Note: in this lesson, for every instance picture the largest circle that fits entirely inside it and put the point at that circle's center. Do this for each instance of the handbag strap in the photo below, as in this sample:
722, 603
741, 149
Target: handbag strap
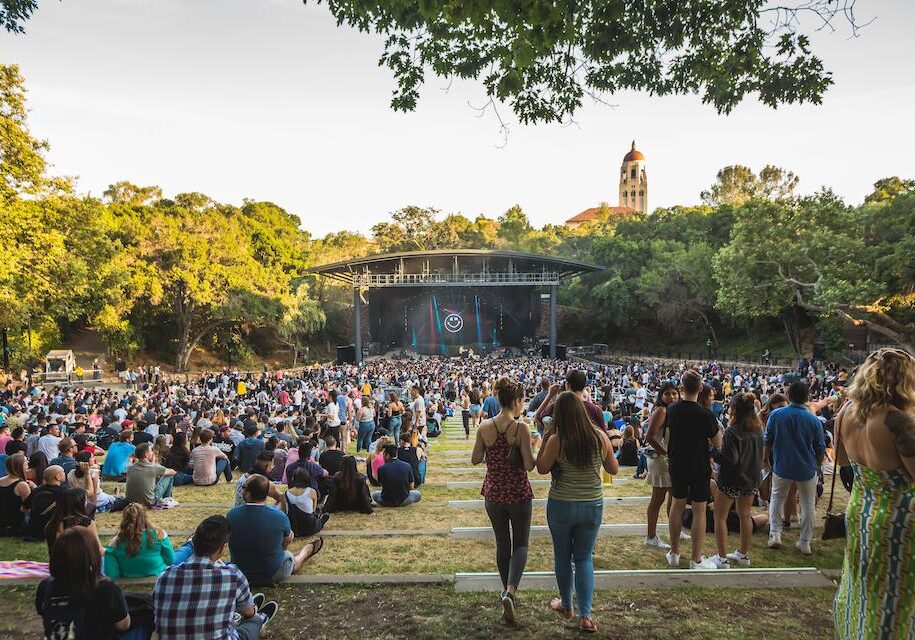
835, 466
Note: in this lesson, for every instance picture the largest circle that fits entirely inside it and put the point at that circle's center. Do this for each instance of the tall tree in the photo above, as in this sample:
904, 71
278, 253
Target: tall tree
543, 57
198, 270
127, 193
737, 184
22, 162
823, 257
302, 319
889, 188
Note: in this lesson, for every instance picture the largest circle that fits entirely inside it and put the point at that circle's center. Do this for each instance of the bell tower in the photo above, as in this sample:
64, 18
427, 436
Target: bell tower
634, 181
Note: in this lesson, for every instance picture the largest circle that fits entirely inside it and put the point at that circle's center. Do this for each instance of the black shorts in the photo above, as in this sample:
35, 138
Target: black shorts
691, 484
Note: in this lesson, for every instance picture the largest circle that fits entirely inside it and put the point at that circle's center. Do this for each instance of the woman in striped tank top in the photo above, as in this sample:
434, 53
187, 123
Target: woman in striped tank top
575, 450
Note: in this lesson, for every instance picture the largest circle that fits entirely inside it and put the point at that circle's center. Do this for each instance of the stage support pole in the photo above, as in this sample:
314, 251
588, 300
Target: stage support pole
357, 325
554, 292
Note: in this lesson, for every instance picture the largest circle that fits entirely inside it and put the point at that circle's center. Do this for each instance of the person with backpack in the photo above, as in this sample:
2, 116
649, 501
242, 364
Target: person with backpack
77, 601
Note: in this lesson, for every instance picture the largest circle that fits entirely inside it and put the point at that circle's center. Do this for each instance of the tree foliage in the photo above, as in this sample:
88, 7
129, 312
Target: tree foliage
737, 184
544, 57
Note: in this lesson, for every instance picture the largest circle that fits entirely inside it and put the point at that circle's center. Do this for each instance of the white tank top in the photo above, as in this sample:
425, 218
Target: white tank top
302, 502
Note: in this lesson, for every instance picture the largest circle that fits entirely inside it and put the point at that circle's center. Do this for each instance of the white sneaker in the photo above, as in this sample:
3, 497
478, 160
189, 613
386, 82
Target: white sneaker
673, 560
656, 543
775, 540
719, 562
804, 547
704, 563
685, 536
741, 559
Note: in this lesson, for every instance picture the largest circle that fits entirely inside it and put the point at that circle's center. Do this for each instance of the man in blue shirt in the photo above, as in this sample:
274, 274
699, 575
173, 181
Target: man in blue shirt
491, 406
117, 456
396, 478
260, 536
794, 438
248, 448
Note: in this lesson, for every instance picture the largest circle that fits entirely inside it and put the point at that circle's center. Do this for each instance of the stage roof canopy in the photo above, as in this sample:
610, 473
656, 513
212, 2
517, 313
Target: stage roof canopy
469, 266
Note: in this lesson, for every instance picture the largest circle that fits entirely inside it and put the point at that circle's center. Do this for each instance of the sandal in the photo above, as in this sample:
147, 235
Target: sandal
316, 545
556, 607
586, 625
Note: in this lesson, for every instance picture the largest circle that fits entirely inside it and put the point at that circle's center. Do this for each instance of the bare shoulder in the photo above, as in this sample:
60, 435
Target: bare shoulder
902, 425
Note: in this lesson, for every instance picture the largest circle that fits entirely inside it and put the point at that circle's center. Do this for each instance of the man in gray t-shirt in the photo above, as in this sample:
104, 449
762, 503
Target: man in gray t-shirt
149, 483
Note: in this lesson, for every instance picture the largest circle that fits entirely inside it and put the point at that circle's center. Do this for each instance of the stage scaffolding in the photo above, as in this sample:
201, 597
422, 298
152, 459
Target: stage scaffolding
457, 268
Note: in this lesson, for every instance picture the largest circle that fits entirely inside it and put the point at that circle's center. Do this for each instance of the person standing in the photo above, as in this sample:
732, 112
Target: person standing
579, 449
365, 418
740, 460
395, 416
876, 435
465, 412
690, 427
795, 438
657, 466
506, 488
418, 406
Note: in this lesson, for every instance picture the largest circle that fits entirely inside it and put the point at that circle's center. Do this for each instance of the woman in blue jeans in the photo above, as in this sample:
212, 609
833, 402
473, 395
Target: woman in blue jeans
395, 416
366, 419
578, 450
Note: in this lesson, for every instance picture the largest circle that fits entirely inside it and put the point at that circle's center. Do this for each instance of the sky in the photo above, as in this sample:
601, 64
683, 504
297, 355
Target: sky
270, 100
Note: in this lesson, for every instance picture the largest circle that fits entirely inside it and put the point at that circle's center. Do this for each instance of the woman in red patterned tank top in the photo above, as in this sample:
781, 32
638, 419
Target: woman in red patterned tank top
506, 487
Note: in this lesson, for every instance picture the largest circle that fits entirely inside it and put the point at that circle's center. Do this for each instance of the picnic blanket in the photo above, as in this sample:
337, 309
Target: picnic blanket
11, 569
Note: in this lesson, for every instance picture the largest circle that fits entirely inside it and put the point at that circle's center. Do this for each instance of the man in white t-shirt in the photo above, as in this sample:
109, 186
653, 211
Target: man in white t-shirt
418, 407
641, 394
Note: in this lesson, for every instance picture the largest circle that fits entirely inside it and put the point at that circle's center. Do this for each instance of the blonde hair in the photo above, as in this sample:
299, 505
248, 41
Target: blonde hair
133, 524
887, 377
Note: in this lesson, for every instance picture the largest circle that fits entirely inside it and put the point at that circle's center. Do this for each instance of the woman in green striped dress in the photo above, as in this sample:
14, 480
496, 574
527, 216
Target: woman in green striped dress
876, 435
575, 451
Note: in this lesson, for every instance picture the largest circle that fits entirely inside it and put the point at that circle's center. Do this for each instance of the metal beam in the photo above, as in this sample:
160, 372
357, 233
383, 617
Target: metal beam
357, 324
554, 291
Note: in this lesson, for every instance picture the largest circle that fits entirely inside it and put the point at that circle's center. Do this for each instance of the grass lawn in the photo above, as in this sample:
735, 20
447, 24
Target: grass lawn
430, 612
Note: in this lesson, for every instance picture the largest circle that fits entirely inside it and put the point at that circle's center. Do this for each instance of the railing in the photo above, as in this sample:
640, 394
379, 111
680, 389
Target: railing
489, 279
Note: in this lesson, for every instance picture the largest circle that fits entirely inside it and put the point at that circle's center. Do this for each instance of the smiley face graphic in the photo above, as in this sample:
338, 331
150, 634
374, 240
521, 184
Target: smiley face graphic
453, 323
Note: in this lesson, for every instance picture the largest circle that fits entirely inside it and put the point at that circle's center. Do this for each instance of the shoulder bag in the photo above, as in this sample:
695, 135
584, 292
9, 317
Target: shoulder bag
514, 456
834, 522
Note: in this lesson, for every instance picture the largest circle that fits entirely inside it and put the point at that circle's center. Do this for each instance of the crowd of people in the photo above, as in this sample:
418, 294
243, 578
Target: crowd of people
711, 442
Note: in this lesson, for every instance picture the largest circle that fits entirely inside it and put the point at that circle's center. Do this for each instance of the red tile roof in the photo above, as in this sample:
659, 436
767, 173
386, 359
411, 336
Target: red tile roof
589, 215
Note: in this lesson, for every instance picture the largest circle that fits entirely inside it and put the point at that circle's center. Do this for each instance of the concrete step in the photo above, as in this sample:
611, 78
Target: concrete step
541, 502
543, 531
662, 579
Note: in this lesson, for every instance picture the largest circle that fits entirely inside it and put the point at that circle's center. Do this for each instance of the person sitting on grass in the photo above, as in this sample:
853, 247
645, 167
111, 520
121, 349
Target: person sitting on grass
148, 483
263, 465
201, 597
14, 490
66, 455
77, 601
316, 472
117, 457
248, 448
349, 490
86, 476
261, 536
72, 510
305, 517
396, 479
138, 549
208, 462
42, 502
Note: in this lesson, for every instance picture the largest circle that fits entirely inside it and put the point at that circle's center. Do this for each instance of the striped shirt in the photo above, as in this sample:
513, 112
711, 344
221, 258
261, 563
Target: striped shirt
574, 484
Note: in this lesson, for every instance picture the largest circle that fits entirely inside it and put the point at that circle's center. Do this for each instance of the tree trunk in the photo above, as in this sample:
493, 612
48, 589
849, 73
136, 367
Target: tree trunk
181, 358
295, 356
